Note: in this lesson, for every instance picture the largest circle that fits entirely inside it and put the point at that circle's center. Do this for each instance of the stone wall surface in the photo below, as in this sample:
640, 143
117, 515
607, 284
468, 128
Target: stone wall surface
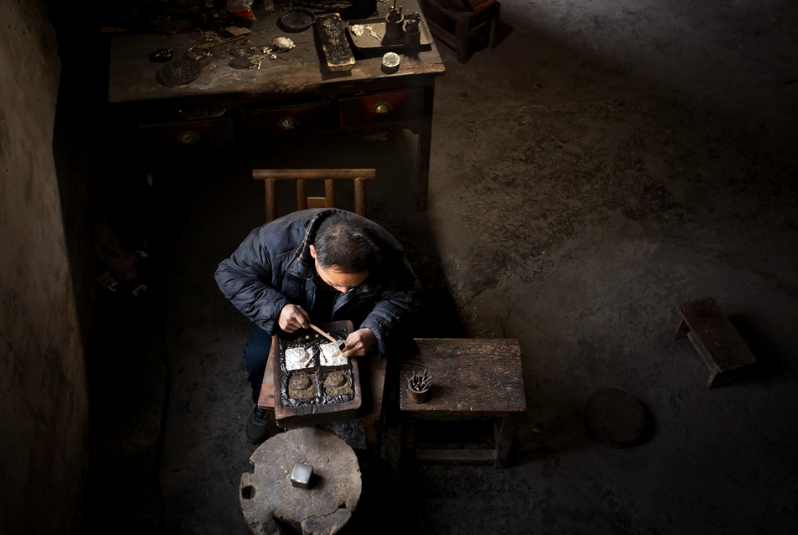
44, 417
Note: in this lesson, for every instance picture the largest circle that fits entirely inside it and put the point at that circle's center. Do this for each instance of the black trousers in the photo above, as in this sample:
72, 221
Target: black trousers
256, 354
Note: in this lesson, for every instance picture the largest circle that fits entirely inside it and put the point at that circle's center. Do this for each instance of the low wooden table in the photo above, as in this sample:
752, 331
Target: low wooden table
717, 341
370, 412
471, 378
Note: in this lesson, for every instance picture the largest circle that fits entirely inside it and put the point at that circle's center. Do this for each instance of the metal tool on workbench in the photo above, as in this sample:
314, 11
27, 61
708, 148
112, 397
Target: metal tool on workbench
340, 345
393, 23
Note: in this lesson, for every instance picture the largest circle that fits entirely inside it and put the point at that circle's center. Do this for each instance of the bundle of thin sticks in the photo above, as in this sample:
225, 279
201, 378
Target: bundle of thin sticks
419, 381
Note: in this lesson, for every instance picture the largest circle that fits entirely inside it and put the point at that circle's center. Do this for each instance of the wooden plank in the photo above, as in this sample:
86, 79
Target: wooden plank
710, 330
329, 192
271, 199
469, 376
456, 455
314, 174
266, 397
360, 197
317, 202
301, 194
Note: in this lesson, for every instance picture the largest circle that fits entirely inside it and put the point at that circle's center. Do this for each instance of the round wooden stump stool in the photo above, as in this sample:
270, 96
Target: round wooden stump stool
270, 502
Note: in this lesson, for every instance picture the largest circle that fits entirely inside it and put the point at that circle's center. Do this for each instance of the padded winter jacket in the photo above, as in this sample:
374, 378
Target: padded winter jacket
273, 267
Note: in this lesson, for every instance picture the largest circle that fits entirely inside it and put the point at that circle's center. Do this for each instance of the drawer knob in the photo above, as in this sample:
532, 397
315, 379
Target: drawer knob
287, 123
382, 107
189, 137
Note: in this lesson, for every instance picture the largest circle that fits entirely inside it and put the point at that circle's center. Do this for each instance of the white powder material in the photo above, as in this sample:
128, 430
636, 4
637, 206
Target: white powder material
297, 358
331, 356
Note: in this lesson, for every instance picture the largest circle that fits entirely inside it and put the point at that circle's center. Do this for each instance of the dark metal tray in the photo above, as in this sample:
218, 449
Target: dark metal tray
367, 41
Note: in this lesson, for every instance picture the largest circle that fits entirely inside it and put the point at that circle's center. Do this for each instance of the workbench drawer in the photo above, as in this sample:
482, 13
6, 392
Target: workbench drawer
381, 109
289, 120
209, 133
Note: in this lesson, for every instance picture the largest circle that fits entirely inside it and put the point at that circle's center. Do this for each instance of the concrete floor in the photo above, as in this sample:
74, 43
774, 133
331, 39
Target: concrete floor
606, 162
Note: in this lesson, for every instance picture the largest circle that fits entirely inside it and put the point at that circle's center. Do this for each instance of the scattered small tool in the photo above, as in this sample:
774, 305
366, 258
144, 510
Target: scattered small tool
393, 23
162, 55
339, 345
419, 381
418, 386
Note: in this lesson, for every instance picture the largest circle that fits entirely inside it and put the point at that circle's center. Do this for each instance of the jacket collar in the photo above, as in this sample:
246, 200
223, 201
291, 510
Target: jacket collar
301, 264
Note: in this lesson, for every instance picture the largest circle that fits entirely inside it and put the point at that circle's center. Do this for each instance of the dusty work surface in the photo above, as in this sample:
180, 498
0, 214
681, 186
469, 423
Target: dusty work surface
133, 76
641, 156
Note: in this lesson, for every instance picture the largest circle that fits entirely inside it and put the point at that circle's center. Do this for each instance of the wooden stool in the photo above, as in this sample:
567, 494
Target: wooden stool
301, 176
471, 378
267, 495
469, 18
717, 341
371, 413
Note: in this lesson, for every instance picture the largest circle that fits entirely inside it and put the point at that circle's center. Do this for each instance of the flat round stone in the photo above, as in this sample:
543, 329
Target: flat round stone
616, 418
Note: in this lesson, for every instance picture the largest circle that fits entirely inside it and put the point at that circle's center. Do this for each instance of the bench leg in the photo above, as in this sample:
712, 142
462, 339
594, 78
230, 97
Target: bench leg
504, 430
273, 429
682, 330
373, 429
461, 38
409, 423
494, 26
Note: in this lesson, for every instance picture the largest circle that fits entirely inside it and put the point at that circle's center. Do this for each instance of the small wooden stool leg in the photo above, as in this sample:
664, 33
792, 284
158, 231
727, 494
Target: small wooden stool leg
461, 38
504, 430
682, 330
494, 24
374, 437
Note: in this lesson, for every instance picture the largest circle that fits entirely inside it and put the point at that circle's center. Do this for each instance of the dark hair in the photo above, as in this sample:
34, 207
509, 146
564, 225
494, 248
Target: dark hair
342, 242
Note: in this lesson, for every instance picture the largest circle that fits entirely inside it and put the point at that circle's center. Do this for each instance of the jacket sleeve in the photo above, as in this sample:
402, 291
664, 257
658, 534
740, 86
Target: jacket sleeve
245, 278
398, 302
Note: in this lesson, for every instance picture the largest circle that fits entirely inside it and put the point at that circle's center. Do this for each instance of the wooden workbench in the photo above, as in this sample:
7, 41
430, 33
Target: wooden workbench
292, 95
472, 378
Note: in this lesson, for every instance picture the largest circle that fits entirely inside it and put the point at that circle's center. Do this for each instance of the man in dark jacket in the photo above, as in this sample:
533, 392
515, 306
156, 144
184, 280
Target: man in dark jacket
317, 266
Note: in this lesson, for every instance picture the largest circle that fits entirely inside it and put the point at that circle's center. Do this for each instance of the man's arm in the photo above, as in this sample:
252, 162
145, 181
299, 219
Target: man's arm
245, 278
399, 301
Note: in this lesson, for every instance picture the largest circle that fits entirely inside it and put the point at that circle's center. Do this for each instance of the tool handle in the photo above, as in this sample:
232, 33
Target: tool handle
324, 334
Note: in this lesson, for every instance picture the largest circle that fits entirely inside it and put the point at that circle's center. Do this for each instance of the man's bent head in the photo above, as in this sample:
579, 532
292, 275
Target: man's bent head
343, 251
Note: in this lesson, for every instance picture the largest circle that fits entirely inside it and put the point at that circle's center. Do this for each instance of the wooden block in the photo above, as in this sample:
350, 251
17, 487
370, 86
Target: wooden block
716, 340
334, 42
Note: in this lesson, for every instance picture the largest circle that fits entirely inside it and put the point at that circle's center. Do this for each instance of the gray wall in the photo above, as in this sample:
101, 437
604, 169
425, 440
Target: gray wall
44, 416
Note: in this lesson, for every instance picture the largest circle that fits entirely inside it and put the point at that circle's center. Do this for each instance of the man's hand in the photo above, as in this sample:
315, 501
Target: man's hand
358, 343
293, 317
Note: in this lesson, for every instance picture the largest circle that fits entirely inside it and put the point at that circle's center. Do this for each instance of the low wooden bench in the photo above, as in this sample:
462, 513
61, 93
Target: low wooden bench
471, 379
717, 341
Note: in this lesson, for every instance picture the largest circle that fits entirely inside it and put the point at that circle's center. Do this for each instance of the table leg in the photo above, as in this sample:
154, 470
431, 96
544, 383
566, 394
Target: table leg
504, 430
409, 423
373, 428
424, 149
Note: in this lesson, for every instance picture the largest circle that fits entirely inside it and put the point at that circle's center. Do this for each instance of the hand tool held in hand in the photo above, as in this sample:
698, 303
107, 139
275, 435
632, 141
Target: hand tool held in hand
340, 345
